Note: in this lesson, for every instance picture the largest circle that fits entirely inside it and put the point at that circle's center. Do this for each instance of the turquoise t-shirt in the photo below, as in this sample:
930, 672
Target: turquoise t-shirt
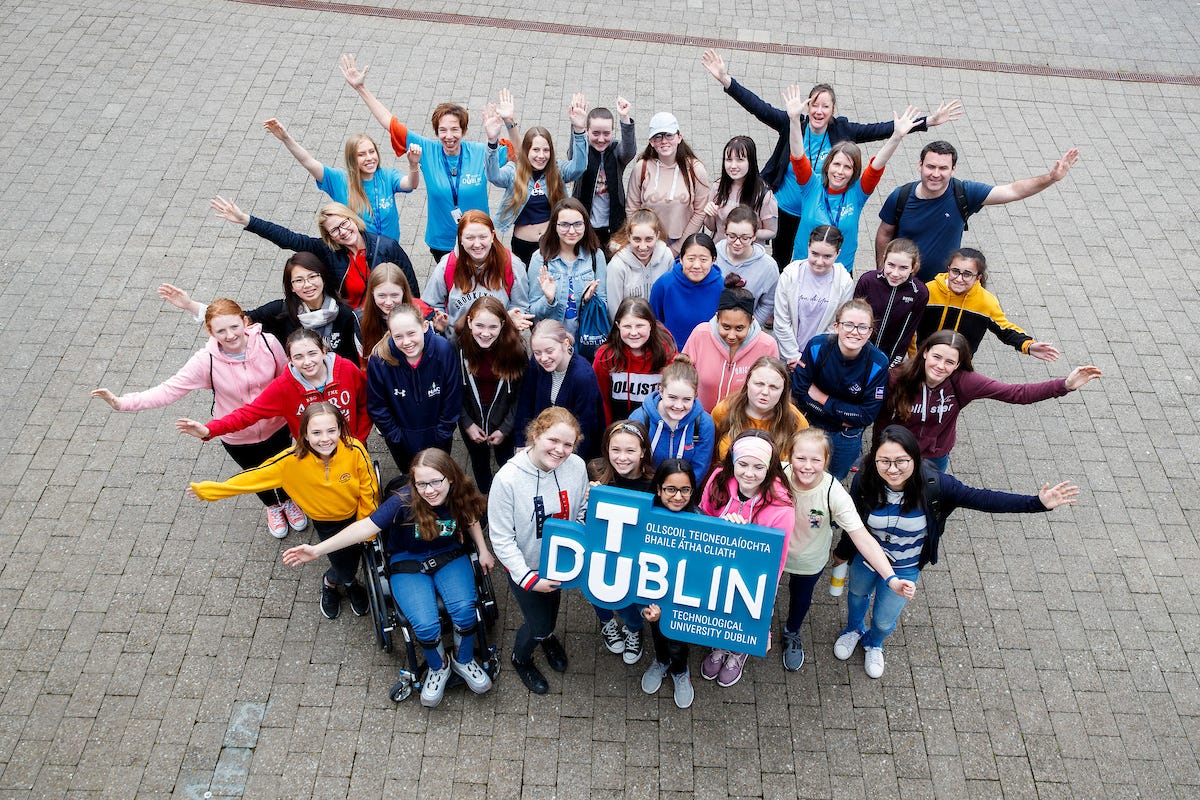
822, 208
383, 218
441, 229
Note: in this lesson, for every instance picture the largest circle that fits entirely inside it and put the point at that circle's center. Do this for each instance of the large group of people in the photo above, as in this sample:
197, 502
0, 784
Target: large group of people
646, 326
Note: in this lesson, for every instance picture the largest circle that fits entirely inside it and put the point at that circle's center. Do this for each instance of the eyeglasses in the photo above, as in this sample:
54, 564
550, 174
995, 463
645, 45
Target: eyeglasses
342, 228
424, 486
966, 275
308, 280
571, 226
672, 491
661, 137
899, 463
851, 328
744, 237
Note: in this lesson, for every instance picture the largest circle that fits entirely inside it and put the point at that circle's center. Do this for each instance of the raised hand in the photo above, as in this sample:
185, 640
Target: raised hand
588, 291
493, 124
796, 101
414, 155
175, 296
507, 107
357, 78
276, 129
228, 210
716, 67
1064, 164
521, 321
577, 112
948, 111
191, 428
624, 109
906, 120
1064, 494
546, 281
108, 397
1080, 376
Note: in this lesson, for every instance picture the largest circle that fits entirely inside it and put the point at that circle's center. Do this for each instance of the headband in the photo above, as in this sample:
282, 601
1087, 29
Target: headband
754, 447
739, 301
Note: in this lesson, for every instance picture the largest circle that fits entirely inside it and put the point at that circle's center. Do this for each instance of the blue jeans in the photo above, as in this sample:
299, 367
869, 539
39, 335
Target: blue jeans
417, 595
631, 616
941, 463
864, 582
846, 445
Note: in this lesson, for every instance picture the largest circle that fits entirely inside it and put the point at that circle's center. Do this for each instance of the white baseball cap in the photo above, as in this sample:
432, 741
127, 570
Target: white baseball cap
663, 122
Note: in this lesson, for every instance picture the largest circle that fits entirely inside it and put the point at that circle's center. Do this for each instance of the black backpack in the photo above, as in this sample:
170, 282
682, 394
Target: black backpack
960, 199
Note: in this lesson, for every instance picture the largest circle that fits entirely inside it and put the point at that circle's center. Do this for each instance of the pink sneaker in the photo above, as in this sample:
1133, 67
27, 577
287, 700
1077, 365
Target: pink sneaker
710, 667
296, 519
731, 670
277, 523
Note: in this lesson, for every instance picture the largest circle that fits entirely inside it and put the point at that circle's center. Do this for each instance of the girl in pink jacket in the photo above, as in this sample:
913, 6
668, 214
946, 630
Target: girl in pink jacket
724, 348
747, 487
236, 364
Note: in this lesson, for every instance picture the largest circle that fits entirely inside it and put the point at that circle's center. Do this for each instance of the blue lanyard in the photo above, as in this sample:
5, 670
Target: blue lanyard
453, 176
814, 154
835, 220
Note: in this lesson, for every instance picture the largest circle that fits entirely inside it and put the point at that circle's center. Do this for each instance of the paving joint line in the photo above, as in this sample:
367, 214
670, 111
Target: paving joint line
774, 48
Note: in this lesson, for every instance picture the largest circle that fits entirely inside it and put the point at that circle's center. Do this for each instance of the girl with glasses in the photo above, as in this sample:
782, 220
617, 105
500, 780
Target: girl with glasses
669, 180
428, 520
904, 503
568, 267
740, 252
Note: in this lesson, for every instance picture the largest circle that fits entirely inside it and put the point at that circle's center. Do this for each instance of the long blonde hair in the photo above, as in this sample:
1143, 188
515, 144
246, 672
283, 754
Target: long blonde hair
358, 201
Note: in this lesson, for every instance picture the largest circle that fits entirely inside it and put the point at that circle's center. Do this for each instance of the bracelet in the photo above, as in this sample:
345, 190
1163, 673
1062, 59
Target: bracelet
893, 577
510, 125
494, 145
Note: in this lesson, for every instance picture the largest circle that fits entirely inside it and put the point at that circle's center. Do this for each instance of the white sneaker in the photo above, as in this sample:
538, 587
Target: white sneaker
837, 579
297, 520
435, 684
845, 644
476, 679
613, 640
873, 661
653, 678
277, 524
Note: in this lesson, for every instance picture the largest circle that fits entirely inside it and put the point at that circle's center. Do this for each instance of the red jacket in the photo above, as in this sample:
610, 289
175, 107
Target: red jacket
287, 397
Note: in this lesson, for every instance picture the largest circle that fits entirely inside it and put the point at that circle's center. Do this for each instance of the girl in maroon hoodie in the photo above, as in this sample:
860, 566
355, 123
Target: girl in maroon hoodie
629, 365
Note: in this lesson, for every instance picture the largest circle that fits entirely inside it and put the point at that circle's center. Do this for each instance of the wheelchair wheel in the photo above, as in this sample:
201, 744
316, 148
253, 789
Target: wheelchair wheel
380, 618
401, 689
488, 610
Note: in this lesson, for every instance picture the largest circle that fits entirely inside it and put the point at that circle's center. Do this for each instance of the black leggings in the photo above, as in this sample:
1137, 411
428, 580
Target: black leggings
481, 459
540, 610
251, 455
800, 592
343, 564
785, 239
669, 651
524, 249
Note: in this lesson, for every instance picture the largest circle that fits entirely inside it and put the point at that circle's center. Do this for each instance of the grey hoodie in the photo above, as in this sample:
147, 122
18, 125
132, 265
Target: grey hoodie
760, 274
628, 277
512, 510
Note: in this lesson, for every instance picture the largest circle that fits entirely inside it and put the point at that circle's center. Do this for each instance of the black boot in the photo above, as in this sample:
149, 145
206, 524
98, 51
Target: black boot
556, 656
531, 676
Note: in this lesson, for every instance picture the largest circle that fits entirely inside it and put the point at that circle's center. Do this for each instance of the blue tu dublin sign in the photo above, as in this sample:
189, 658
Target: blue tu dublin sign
714, 581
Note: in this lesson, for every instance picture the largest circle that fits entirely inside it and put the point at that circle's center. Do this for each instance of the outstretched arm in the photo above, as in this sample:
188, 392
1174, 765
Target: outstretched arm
314, 167
507, 109
1028, 187
357, 78
716, 67
948, 111
181, 300
355, 533
905, 122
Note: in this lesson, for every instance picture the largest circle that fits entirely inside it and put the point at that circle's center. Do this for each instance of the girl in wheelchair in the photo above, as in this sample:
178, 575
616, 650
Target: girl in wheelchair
423, 526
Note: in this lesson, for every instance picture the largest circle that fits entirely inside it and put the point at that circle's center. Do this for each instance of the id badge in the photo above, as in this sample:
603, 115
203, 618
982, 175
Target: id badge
456, 214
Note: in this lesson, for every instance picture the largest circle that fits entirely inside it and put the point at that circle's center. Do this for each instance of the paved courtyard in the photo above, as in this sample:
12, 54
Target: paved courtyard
153, 646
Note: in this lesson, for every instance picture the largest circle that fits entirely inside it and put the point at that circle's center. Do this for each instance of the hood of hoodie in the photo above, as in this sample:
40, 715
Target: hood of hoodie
254, 340
661, 257
300, 379
650, 406
755, 330
757, 253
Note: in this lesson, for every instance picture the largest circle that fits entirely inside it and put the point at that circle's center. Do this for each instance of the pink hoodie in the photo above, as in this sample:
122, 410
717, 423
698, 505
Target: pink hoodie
780, 515
720, 377
234, 383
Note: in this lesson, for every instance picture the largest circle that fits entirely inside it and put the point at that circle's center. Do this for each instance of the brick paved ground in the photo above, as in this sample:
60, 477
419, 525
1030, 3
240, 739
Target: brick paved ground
153, 646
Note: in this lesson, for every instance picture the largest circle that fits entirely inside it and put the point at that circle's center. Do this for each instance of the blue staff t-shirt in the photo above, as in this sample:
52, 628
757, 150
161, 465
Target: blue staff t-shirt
934, 224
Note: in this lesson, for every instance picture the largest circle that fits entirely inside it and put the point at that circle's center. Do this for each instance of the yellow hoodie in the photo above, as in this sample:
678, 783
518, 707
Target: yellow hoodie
972, 314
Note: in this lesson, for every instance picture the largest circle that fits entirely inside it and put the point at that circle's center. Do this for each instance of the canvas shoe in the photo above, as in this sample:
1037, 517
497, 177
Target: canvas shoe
873, 661
653, 677
613, 639
845, 644
710, 667
633, 647
277, 524
731, 670
297, 520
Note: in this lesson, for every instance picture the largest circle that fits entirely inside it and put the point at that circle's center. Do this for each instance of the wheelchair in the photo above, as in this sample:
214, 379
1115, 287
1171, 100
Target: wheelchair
391, 625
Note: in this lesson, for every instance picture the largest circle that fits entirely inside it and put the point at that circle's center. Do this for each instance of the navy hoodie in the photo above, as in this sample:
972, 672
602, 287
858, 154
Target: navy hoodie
681, 305
692, 439
417, 407
856, 386
579, 394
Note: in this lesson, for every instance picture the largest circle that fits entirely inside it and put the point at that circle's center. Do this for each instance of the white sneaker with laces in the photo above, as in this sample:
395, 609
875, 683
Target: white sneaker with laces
873, 661
845, 644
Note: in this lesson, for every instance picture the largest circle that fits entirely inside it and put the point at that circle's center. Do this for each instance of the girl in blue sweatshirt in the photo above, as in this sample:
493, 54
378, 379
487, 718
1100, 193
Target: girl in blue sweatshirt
679, 426
414, 387
688, 294
558, 376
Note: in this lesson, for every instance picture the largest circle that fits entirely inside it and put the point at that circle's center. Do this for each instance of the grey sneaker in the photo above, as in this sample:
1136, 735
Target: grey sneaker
845, 644
633, 647
476, 679
613, 639
653, 678
684, 693
793, 651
